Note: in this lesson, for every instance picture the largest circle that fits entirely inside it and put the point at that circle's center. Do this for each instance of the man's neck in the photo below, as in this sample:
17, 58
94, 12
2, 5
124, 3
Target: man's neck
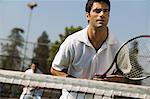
97, 36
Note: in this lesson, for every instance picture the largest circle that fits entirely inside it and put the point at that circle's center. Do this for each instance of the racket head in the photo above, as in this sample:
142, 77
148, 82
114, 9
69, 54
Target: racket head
138, 51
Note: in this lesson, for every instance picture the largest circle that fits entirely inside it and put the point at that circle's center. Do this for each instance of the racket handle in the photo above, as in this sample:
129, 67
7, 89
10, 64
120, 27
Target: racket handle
100, 75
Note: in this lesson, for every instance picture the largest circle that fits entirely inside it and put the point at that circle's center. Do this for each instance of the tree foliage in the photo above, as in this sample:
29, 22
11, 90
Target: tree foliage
11, 59
55, 46
41, 52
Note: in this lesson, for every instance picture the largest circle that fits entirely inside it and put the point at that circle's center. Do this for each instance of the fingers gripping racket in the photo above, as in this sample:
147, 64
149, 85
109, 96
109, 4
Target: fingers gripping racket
139, 57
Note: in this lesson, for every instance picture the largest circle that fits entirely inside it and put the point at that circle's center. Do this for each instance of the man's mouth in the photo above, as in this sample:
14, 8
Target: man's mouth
100, 20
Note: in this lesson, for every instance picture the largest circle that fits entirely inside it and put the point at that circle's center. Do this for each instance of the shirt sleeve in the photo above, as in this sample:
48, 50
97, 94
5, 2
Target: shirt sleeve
62, 58
29, 71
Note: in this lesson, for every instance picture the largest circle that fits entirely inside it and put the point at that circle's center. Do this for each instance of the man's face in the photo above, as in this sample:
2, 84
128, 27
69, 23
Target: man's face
33, 67
99, 15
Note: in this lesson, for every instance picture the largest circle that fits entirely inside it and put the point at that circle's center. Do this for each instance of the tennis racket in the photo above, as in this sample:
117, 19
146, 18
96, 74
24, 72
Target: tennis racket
139, 57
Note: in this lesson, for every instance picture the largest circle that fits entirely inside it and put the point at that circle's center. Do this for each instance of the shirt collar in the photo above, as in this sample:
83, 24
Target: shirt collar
84, 38
111, 40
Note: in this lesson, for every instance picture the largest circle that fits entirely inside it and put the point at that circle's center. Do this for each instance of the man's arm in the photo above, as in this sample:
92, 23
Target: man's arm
58, 73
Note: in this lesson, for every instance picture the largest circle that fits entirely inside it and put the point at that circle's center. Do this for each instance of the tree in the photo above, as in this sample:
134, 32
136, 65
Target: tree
55, 46
68, 31
12, 50
41, 52
11, 58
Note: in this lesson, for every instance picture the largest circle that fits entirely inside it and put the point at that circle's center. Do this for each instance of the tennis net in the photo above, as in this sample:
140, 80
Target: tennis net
12, 83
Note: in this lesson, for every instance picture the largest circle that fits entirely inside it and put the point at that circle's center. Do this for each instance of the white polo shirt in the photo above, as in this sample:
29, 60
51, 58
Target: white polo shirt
81, 59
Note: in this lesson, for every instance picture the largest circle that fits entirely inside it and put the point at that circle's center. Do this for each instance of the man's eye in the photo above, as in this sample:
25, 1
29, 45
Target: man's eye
100, 10
97, 10
105, 10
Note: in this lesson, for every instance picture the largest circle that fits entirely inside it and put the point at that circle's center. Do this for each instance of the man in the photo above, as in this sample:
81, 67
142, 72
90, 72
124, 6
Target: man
32, 92
91, 50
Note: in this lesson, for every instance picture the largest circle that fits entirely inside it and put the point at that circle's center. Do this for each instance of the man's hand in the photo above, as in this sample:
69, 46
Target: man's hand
111, 78
58, 73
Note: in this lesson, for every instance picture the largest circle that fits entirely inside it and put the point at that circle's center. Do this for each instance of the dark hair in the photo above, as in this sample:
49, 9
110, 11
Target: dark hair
90, 3
35, 62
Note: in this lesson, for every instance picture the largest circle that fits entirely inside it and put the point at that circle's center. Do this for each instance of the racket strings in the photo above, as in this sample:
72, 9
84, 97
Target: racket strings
135, 73
139, 54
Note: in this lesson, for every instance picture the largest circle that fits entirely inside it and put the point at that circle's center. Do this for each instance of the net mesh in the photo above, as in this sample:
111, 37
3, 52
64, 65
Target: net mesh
12, 84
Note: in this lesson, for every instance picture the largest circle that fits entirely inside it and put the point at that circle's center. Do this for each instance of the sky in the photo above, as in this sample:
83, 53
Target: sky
128, 18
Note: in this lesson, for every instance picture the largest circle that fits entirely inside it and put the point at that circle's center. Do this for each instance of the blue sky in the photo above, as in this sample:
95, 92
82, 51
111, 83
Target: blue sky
128, 17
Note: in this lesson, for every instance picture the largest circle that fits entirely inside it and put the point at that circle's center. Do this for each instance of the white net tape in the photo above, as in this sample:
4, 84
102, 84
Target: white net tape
88, 89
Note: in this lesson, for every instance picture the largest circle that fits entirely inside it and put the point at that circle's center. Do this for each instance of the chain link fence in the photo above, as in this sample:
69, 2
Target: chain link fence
24, 56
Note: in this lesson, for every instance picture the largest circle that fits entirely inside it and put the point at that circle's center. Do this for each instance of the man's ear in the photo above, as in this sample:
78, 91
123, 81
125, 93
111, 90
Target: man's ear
87, 16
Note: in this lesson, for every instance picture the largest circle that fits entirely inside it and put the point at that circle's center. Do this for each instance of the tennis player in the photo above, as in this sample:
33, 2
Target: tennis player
32, 92
91, 50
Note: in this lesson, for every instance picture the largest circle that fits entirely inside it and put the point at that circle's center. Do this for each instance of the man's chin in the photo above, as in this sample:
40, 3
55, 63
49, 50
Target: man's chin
100, 26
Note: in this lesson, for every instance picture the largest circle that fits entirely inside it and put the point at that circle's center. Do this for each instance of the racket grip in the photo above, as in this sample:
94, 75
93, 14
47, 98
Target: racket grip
100, 75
